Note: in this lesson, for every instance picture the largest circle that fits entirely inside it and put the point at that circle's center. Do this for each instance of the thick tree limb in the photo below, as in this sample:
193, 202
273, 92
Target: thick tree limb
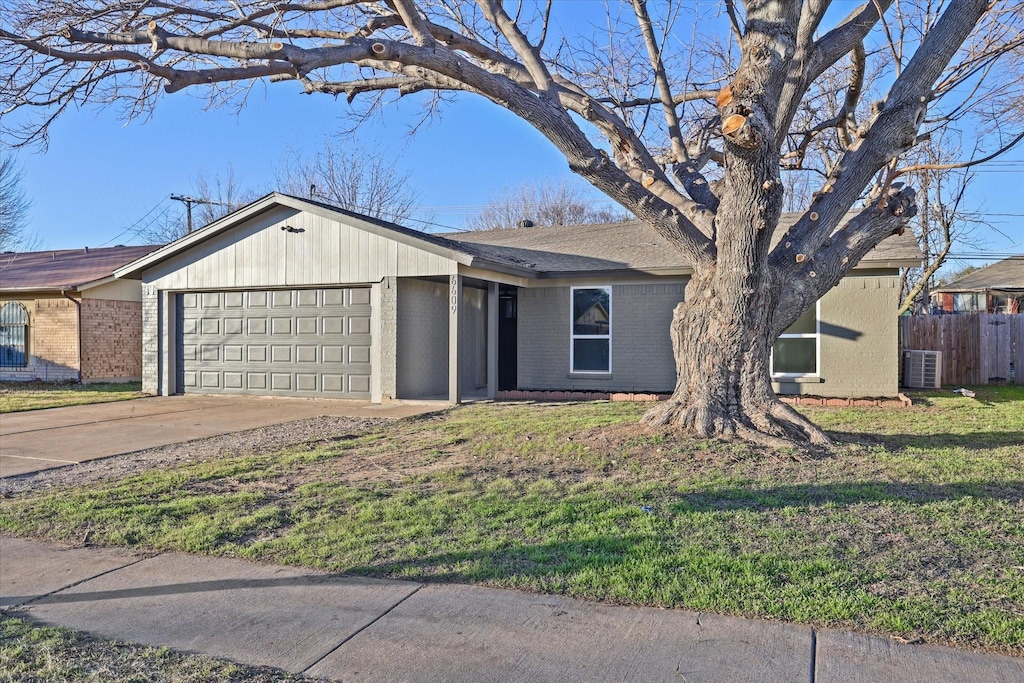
893, 131
811, 62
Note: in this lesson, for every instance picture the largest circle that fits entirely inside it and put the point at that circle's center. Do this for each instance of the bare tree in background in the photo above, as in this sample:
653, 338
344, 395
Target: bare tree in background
942, 220
542, 204
352, 178
218, 194
14, 207
683, 120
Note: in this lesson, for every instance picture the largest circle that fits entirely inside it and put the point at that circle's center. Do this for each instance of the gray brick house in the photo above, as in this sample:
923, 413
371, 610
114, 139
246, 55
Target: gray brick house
289, 296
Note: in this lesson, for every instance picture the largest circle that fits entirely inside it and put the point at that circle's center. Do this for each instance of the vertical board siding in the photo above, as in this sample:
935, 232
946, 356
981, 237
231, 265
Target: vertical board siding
259, 253
977, 348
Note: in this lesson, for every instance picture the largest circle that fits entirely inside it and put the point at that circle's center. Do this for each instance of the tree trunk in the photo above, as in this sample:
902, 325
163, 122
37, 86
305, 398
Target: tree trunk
723, 387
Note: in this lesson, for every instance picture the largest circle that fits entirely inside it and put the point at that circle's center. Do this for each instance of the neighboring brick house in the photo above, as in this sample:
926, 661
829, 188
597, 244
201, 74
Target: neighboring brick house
997, 288
293, 297
63, 316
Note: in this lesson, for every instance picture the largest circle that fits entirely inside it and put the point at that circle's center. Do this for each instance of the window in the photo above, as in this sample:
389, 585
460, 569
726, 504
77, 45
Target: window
13, 334
796, 350
970, 302
591, 346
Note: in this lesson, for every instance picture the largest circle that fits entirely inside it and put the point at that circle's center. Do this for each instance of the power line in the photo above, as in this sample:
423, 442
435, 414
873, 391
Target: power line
136, 223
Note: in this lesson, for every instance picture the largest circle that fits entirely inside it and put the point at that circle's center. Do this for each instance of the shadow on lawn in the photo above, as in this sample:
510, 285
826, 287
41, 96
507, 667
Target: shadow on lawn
974, 441
552, 563
845, 493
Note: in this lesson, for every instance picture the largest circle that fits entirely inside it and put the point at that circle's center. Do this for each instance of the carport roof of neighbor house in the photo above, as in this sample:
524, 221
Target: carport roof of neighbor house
535, 252
65, 269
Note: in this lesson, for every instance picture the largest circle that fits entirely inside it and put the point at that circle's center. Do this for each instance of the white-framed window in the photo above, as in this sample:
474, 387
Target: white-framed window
797, 351
590, 346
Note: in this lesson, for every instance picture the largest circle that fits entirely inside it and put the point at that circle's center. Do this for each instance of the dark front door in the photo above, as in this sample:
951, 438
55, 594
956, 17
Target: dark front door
508, 305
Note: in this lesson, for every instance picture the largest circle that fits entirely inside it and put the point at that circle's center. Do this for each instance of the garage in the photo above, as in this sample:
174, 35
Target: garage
286, 342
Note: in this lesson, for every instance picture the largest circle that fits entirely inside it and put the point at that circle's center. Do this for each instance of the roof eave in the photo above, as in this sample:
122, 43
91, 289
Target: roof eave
614, 272
888, 263
58, 289
504, 268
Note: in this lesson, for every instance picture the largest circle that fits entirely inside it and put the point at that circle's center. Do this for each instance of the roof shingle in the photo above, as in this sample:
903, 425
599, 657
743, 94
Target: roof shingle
627, 245
1007, 274
64, 269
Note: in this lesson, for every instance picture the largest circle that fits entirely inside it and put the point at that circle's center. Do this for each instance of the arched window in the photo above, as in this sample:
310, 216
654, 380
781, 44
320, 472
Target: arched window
13, 335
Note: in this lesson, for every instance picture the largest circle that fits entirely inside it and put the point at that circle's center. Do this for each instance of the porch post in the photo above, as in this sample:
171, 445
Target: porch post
454, 309
492, 340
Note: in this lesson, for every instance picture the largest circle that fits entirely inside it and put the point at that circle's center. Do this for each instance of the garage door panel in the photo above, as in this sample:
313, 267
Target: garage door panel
294, 342
359, 354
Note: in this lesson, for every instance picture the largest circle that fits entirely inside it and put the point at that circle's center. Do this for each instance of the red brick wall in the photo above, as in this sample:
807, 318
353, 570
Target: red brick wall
111, 339
53, 333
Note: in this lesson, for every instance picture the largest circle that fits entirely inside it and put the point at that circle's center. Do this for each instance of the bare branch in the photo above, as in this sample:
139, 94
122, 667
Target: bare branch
960, 164
660, 78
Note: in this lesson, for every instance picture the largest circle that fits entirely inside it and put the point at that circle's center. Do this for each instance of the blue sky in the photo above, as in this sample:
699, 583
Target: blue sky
101, 178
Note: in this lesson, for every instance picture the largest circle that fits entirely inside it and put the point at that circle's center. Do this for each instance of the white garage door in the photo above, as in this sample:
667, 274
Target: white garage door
301, 342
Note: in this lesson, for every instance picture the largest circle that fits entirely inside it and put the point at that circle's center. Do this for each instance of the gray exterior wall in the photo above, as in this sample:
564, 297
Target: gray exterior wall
859, 340
150, 340
858, 337
641, 349
321, 252
473, 339
422, 339
385, 349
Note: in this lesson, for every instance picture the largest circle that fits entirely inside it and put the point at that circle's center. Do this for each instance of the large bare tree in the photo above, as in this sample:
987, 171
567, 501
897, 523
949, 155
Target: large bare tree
690, 140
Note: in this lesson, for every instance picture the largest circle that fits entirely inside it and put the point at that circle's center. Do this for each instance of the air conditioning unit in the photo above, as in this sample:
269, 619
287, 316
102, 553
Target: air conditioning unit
922, 369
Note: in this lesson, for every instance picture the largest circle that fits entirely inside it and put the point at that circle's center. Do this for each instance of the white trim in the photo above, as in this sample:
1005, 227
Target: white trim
816, 336
573, 336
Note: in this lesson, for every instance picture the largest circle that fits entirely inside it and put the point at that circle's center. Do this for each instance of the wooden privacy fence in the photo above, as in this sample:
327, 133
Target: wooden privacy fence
977, 348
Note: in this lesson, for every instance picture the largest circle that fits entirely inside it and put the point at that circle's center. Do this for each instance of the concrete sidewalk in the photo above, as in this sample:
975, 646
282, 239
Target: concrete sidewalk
43, 439
351, 628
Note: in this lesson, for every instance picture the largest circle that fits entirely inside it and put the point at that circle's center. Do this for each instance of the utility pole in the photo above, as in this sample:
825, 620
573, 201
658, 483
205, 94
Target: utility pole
189, 201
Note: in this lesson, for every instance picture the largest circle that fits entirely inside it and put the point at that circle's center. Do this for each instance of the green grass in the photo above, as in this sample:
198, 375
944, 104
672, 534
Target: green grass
19, 396
42, 653
914, 527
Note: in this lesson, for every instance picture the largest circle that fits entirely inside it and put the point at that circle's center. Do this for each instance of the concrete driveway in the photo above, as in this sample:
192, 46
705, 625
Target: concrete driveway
42, 439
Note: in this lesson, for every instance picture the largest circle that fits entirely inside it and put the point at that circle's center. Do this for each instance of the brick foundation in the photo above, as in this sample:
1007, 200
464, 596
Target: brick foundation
902, 402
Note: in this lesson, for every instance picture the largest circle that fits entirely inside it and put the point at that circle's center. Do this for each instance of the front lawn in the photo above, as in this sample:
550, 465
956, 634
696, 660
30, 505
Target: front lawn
913, 528
43, 653
18, 396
